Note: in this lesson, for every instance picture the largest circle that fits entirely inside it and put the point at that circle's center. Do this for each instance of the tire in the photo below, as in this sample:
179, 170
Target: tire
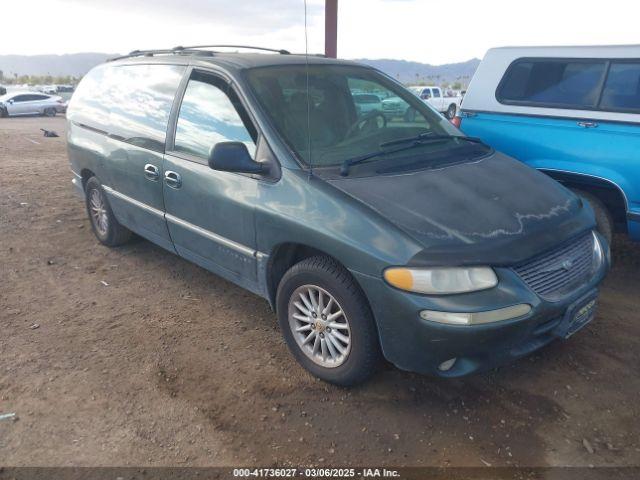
604, 220
103, 223
3, 113
451, 111
49, 112
362, 353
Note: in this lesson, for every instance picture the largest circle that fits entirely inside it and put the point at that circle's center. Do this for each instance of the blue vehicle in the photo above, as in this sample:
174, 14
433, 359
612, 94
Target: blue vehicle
570, 112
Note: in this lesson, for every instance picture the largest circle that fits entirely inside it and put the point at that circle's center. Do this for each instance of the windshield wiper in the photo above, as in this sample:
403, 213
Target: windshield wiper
416, 141
427, 137
344, 169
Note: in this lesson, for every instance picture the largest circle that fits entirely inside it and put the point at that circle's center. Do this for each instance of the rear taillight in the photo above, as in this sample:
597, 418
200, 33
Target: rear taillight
456, 121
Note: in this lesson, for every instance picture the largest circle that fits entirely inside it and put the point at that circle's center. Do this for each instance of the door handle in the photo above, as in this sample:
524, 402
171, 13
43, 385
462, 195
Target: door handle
151, 172
172, 179
587, 124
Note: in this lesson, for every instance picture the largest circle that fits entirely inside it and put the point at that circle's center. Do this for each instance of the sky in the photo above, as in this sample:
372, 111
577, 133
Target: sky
418, 30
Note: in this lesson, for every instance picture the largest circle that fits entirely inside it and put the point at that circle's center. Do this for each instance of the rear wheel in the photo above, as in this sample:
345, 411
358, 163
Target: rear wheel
104, 224
50, 112
604, 220
326, 322
451, 111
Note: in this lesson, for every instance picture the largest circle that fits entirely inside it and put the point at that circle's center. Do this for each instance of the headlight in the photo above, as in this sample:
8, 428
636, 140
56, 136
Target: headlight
441, 280
599, 254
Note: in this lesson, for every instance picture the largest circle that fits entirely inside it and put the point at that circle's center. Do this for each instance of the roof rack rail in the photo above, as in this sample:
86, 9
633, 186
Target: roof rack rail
166, 51
196, 47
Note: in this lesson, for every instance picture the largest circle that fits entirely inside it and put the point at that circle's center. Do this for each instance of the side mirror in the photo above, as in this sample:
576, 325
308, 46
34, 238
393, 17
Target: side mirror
425, 96
234, 157
10, 101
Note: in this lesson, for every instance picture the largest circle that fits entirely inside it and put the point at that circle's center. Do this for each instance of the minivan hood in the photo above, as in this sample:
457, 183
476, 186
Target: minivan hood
494, 211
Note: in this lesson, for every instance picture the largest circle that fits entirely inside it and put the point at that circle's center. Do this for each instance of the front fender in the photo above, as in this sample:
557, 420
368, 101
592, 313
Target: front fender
308, 211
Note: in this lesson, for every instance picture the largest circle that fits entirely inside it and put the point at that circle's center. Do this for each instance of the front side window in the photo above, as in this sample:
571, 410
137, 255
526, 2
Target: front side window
552, 82
211, 113
622, 89
319, 112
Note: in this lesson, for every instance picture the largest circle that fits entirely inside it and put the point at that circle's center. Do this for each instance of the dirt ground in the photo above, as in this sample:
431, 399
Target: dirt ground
171, 365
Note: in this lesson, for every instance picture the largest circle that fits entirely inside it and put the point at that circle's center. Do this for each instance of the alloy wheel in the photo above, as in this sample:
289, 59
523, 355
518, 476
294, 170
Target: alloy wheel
319, 325
97, 208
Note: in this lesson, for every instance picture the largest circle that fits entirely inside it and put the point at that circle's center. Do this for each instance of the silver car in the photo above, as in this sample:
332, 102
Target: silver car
30, 103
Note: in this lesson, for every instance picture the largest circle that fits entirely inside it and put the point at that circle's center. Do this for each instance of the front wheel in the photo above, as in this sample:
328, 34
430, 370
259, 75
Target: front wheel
49, 112
326, 322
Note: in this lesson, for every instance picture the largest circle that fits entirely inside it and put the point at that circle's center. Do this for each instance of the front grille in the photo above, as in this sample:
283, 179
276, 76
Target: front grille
560, 271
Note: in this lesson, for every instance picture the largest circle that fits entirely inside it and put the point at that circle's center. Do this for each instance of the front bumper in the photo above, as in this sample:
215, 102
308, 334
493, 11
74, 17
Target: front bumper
418, 345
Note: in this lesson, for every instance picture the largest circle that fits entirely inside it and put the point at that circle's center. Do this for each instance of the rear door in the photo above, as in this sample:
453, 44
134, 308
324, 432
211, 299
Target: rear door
210, 214
33, 103
39, 103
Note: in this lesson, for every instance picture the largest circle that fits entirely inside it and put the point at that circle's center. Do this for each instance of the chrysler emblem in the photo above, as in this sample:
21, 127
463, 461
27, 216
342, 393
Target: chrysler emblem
567, 264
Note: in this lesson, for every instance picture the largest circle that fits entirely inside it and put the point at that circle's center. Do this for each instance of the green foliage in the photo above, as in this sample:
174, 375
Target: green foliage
39, 80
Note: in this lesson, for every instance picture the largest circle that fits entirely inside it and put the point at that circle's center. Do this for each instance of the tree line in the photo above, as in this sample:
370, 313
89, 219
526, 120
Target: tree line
16, 79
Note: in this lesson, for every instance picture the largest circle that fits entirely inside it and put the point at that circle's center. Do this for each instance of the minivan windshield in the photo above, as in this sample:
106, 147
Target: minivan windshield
352, 113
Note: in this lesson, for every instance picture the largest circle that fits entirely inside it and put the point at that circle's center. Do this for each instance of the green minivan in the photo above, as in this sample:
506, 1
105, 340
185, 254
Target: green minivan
372, 236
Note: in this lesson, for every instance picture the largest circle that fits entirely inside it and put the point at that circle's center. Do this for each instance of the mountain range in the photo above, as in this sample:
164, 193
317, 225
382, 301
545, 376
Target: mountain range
78, 64
416, 72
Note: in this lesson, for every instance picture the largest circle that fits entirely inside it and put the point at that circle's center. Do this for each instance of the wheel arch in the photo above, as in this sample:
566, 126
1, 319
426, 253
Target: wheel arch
607, 191
284, 256
86, 174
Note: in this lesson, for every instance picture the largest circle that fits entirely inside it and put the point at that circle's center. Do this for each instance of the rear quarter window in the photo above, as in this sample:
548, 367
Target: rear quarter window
132, 102
622, 88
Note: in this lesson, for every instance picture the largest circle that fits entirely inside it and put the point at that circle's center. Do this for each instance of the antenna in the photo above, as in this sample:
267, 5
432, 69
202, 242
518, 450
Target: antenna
306, 61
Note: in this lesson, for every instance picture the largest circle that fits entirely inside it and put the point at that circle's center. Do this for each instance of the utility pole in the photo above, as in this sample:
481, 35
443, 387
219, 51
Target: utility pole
331, 28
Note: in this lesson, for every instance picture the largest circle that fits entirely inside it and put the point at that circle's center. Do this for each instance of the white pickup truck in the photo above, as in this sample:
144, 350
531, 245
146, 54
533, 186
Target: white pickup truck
435, 97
